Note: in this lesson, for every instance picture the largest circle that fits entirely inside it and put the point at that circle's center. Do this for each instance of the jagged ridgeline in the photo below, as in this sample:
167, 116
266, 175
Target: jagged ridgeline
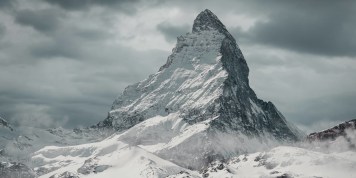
205, 78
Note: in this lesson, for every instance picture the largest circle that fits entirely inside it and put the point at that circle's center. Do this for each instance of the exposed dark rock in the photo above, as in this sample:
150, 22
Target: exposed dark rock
5, 124
91, 166
333, 133
15, 170
65, 175
285, 175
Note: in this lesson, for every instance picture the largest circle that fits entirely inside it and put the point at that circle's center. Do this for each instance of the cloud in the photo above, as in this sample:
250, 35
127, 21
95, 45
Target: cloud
323, 28
44, 20
35, 116
125, 6
6, 4
171, 32
2, 30
306, 88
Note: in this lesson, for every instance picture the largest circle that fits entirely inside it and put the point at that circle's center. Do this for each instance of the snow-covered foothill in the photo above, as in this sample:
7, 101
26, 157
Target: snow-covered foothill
107, 158
286, 161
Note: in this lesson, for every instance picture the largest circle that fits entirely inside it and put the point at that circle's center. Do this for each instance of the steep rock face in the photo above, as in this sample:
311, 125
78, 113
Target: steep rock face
205, 78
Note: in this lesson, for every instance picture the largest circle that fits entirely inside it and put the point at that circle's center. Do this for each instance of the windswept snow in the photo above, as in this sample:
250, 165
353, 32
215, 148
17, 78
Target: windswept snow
289, 162
112, 157
108, 158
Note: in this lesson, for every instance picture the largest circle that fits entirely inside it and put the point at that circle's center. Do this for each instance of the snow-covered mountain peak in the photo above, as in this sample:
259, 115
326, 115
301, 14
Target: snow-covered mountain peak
207, 21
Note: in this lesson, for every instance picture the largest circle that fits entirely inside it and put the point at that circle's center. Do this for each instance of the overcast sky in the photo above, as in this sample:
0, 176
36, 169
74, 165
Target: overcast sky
63, 62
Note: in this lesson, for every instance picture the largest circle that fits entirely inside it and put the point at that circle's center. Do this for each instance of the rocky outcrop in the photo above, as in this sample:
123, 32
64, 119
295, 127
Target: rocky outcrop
5, 124
15, 170
334, 132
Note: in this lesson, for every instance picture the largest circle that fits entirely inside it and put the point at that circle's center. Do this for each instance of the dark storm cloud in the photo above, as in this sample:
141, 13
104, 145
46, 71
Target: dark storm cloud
7, 4
328, 111
318, 27
57, 48
2, 30
126, 6
171, 32
45, 20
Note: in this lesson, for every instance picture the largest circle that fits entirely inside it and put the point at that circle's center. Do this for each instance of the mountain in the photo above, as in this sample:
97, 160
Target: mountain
202, 89
341, 137
340, 130
196, 117
18, 142
204, 79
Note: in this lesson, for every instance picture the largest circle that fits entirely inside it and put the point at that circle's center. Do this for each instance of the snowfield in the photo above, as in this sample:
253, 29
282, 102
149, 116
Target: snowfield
290, 161
114, 158
108, 158
152, 148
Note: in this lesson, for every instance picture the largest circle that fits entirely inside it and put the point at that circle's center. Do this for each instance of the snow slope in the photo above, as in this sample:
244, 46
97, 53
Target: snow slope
288, 162
18, 142
113, 157
108, 158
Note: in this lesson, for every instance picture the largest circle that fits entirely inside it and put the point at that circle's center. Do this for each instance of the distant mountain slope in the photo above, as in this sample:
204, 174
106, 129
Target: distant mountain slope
17, 143
108, 158
334, 132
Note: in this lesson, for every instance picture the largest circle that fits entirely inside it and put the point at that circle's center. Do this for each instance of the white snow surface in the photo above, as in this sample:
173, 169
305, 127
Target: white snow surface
17, 143
108, 158
114, 157
289, 161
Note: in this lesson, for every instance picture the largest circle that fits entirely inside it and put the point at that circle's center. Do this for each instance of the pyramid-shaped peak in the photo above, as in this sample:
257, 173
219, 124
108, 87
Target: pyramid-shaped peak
207, 20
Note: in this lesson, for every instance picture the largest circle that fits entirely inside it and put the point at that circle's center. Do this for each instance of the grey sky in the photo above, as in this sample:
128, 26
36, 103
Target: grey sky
63, 62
